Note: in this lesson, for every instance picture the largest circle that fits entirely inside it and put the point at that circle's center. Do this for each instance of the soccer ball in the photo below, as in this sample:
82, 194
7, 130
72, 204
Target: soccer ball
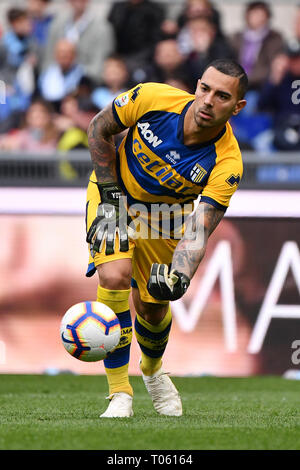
90, 331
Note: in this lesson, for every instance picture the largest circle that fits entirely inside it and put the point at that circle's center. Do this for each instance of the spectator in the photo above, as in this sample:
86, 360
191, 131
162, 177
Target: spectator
63, 76
16, 41
179, 81
257, 44
12, 120
137, 27
205, 46
193, 8
168, 61
15, 45
169, 29
40, 20
115, 80
39, 133
83, 95
91, 33
256, 47
297, 25
281, 97
72, 121
295, 41
17, 62
73, 115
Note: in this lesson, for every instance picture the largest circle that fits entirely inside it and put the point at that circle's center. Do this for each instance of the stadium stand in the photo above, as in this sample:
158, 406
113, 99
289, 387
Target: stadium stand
264, 36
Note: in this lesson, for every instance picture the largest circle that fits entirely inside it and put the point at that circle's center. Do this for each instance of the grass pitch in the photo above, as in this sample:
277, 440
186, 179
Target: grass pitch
62, 412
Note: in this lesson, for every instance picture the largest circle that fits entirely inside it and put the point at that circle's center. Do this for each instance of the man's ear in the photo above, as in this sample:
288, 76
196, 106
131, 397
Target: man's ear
239, 106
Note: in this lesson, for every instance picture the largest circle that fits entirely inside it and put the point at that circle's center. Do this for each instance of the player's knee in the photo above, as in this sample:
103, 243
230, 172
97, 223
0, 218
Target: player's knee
154, 316
115, 281
152, 313
115, 275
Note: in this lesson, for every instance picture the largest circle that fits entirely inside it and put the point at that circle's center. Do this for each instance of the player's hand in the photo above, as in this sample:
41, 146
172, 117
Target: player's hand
165, 285
111, 218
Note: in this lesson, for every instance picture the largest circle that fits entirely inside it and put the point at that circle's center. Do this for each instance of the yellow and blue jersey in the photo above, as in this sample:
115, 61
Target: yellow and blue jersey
155, 166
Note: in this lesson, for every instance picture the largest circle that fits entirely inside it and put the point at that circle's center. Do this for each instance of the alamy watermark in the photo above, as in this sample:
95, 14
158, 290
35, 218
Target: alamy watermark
153, 221
295, 358
296, 93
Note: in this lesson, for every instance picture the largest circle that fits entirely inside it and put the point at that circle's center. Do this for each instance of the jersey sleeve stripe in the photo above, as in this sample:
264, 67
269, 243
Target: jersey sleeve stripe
116, 116
214, 203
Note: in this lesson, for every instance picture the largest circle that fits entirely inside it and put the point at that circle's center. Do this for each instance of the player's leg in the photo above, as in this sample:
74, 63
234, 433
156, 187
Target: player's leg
153, 324
152, 328
113, 290
114, 272
152, 315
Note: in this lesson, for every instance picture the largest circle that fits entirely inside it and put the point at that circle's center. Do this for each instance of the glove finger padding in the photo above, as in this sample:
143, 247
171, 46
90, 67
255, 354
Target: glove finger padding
153, 285
92, 230
110, 238
111, 219
158, 284
173, 278
100, 236
123, 237
165, 286
163, 282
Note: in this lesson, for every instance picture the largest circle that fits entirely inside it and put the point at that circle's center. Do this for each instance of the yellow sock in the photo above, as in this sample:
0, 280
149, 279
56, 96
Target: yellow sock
116, 364
152, 340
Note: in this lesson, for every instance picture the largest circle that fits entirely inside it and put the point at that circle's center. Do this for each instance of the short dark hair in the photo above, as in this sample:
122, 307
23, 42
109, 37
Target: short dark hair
233, 69
14, 14
263, 5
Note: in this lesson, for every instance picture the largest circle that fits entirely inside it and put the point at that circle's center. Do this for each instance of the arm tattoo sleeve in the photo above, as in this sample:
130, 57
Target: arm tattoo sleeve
101, 145
191, 248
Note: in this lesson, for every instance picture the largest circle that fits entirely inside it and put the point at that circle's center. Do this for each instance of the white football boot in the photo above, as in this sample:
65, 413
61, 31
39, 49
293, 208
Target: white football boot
165, 397
120, 406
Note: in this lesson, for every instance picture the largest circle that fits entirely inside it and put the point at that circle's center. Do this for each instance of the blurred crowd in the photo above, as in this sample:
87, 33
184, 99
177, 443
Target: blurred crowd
60, 69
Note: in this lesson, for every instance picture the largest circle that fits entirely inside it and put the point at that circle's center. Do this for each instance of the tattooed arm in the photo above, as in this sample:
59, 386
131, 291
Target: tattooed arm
165, 285
191, 248
101, 144
111, 218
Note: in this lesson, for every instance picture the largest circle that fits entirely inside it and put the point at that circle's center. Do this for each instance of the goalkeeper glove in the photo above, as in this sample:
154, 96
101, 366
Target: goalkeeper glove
163, 285
111, 218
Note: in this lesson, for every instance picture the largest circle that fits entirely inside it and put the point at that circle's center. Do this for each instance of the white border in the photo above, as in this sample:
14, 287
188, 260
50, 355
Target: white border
58, 201
72, 201
254, 203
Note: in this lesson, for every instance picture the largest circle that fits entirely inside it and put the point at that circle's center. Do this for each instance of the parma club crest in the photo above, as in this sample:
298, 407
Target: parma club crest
197, 173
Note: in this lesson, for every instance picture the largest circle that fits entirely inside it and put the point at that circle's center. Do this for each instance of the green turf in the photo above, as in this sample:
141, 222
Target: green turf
61, 412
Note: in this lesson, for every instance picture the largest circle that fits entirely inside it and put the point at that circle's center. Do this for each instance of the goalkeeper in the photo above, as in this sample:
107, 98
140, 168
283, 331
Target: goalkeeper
178, 146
